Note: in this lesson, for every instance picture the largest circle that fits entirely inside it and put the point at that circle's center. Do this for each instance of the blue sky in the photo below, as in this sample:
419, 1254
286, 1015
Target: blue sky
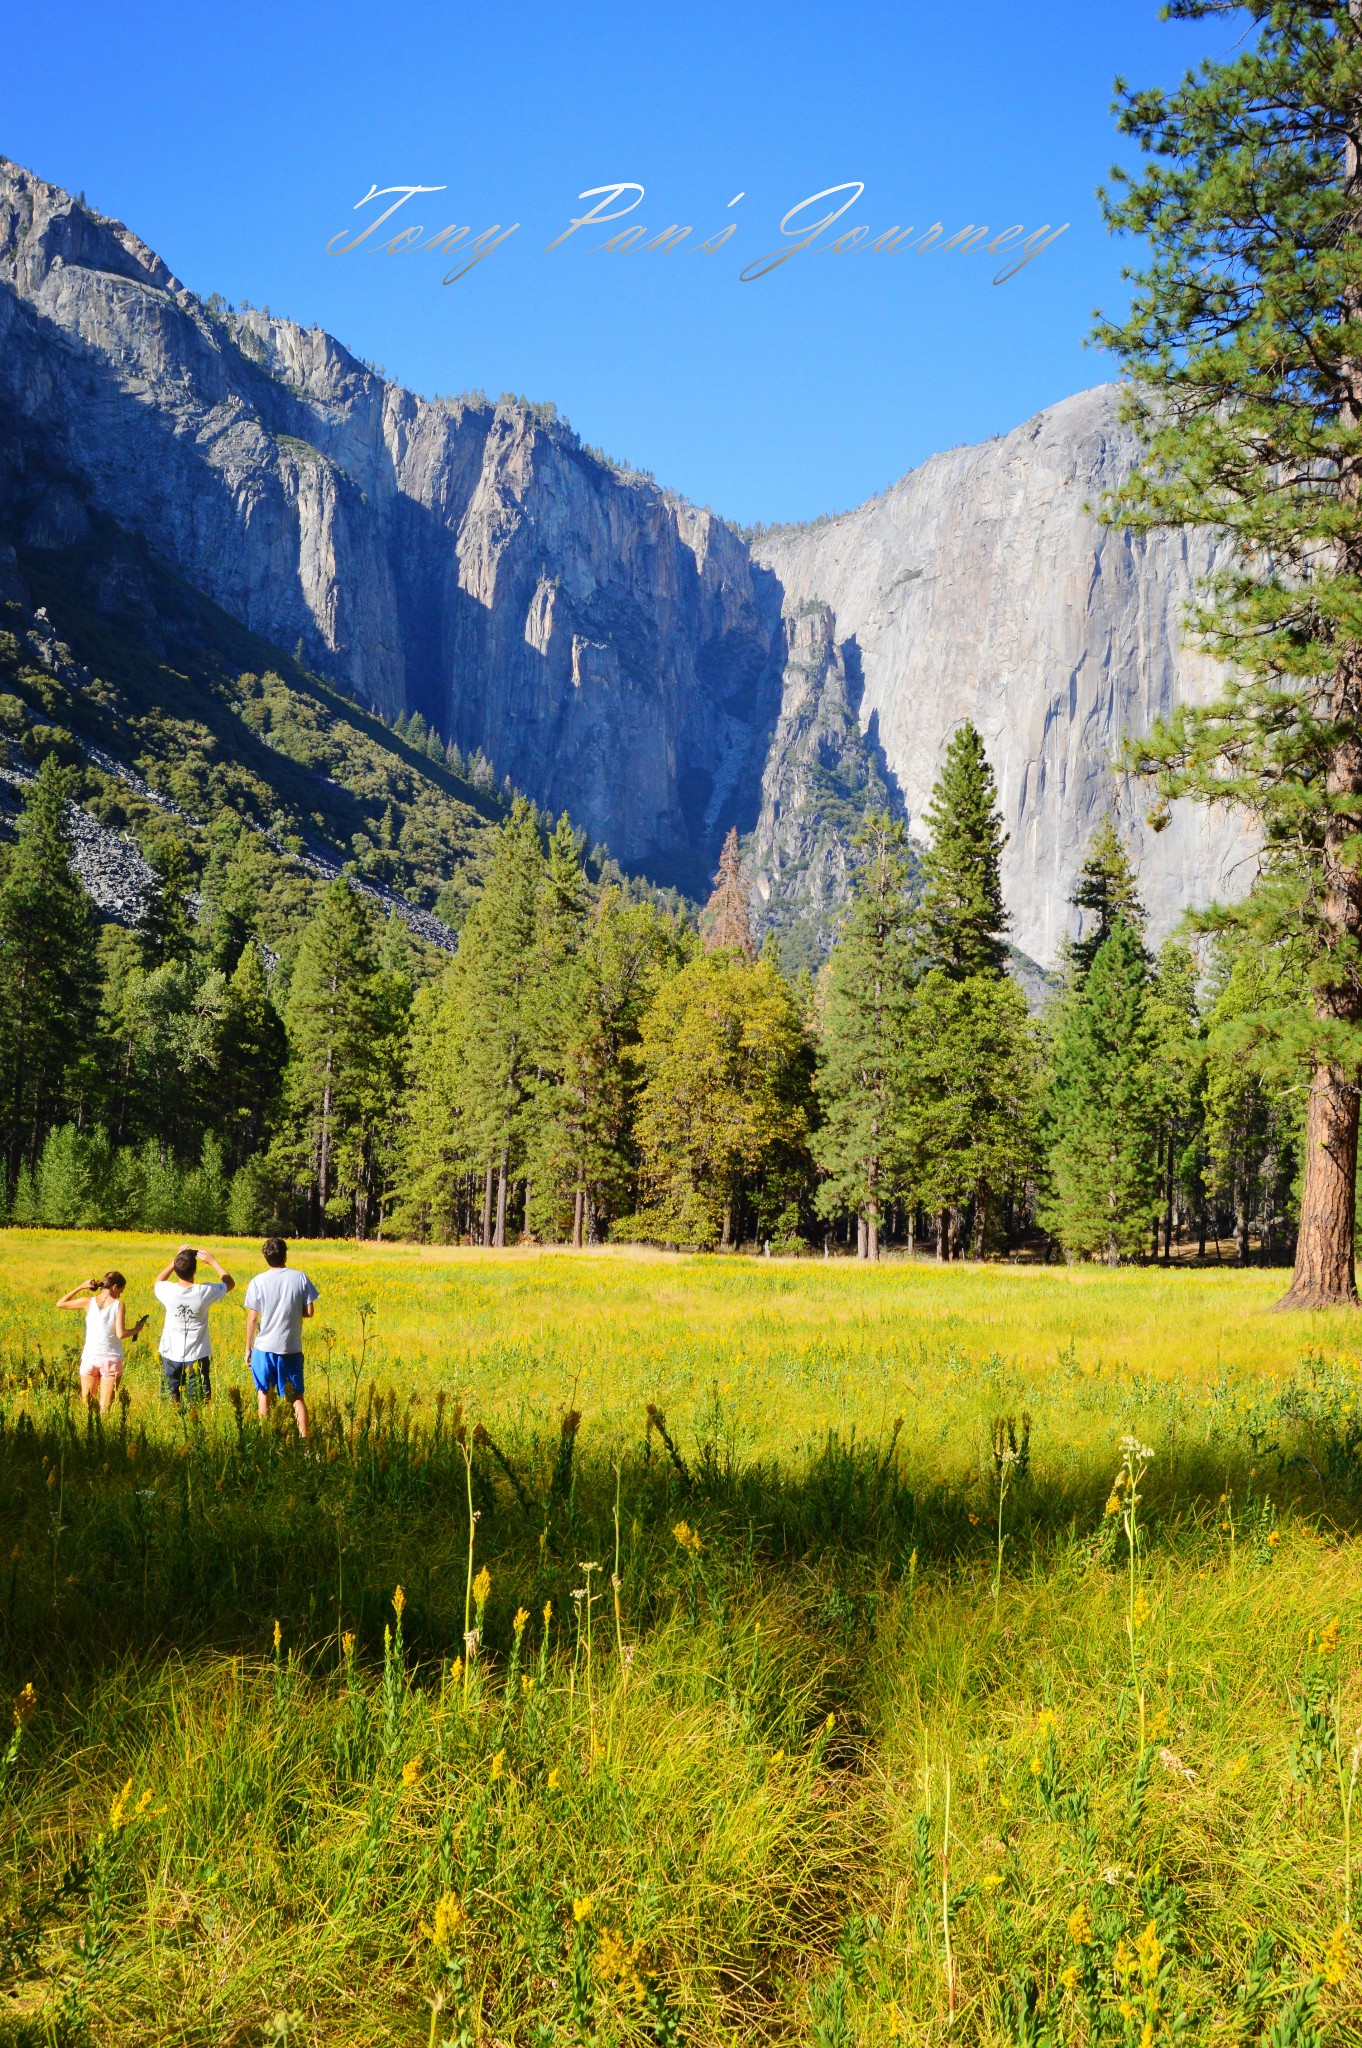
237, 138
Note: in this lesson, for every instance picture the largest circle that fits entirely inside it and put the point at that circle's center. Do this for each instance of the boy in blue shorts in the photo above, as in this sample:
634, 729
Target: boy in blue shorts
277, 1302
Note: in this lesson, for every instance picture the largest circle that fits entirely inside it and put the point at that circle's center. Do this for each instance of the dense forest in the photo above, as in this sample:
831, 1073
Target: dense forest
595, 1063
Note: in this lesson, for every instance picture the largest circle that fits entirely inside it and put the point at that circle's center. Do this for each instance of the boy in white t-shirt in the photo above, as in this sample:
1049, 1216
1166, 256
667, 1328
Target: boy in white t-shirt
278, 1301
185, 1342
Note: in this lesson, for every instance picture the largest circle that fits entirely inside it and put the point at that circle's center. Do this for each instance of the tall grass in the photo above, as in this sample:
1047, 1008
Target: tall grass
732, 1725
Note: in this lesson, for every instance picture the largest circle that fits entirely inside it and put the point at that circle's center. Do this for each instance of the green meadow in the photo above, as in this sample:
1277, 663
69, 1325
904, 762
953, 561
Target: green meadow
686, 1650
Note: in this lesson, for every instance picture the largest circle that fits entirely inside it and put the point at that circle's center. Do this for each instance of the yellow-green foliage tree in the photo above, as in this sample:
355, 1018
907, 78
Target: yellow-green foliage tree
724, 1111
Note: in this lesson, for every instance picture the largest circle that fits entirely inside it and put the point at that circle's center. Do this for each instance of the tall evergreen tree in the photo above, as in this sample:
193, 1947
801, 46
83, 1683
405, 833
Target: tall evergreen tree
969, 1114
1103, 1156
962, 895
48, 964
867, 983
167, 924
252, 1056
726, 920
1244, 343
1105, 890
338, 1082
497, 988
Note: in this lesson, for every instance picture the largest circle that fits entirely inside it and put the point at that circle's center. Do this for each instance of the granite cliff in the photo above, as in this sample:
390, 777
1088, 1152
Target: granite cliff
613, 650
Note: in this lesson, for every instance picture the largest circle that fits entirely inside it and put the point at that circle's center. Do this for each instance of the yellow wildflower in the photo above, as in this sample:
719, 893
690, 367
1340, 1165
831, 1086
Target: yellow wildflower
278, 1638
895, 2022
1149, 1952
993, 1880
613, 1960
526, 1682
118, 1812
974, 1521
829, 1724
688, 1538
1113, 1506
1159, 1722
1069, 1978
522, 1615
548, 1612
1124, 1959
1336, 1956
1080, 1927
482, 1586
581, 1908
399, 1601
411, 1771
24, 1706
1328, 1638
348, 1643
143, 1803
1274, 1539
555, 1778
498, 1764
1239, 1766
1045, 1720
456, 1671
449, 1917
1036, 1767
778, 1756
1141, 1608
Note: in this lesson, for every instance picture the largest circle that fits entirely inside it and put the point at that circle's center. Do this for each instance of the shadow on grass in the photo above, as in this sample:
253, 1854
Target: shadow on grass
114, 1542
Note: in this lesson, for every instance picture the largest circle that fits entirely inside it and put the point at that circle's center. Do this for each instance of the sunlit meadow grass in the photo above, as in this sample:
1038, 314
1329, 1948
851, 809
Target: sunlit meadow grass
829, 1704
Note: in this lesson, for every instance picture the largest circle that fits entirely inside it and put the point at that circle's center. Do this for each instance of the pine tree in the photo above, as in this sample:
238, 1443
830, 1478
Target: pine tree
726, 920
1106, 889
48, 967
867, 983
969, 1113
962, 898
229, 909
1102, 1155
724, 1112
1244, 343
251, 1057
496, 988
167, 924
338, 1079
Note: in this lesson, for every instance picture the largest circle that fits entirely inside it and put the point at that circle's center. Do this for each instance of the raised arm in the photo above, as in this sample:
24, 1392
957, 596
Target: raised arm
221, 1271
79, 1297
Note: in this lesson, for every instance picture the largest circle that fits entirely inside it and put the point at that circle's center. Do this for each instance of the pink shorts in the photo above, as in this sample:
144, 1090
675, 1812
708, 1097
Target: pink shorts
107, 1368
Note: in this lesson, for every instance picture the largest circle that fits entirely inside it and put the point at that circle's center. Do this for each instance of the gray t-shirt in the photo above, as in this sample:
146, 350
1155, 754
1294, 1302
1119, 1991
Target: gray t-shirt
279, 1295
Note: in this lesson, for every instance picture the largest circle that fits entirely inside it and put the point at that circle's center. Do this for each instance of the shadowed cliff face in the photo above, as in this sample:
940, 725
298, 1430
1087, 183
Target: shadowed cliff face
616, 652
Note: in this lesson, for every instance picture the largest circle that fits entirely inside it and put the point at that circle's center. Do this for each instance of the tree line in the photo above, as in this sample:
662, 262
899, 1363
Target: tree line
592, 1064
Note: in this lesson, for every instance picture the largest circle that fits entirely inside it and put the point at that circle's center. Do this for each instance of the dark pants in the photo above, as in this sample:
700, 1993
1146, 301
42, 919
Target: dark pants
190, 1378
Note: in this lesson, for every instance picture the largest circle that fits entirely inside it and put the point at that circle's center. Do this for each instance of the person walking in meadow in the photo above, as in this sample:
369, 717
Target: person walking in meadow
106, 1333
277, 1303
185, 1343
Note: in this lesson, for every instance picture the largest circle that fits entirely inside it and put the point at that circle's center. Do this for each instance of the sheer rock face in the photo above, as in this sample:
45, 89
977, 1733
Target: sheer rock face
982, 586
615, 652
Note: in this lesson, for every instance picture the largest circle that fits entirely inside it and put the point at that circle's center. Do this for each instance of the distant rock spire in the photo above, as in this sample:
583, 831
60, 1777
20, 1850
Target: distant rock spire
726, 921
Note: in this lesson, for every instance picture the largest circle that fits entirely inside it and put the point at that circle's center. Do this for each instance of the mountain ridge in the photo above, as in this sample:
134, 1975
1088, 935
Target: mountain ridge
616, 651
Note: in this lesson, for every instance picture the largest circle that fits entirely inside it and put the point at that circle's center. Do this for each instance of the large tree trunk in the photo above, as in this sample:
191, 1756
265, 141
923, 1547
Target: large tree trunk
577, 1206
1325, 1276
499, 1236
943, 1236
487, 1205
1167, 1209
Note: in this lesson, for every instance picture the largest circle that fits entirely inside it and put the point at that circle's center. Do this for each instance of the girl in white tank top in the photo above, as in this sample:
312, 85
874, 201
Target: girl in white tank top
106, 1329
